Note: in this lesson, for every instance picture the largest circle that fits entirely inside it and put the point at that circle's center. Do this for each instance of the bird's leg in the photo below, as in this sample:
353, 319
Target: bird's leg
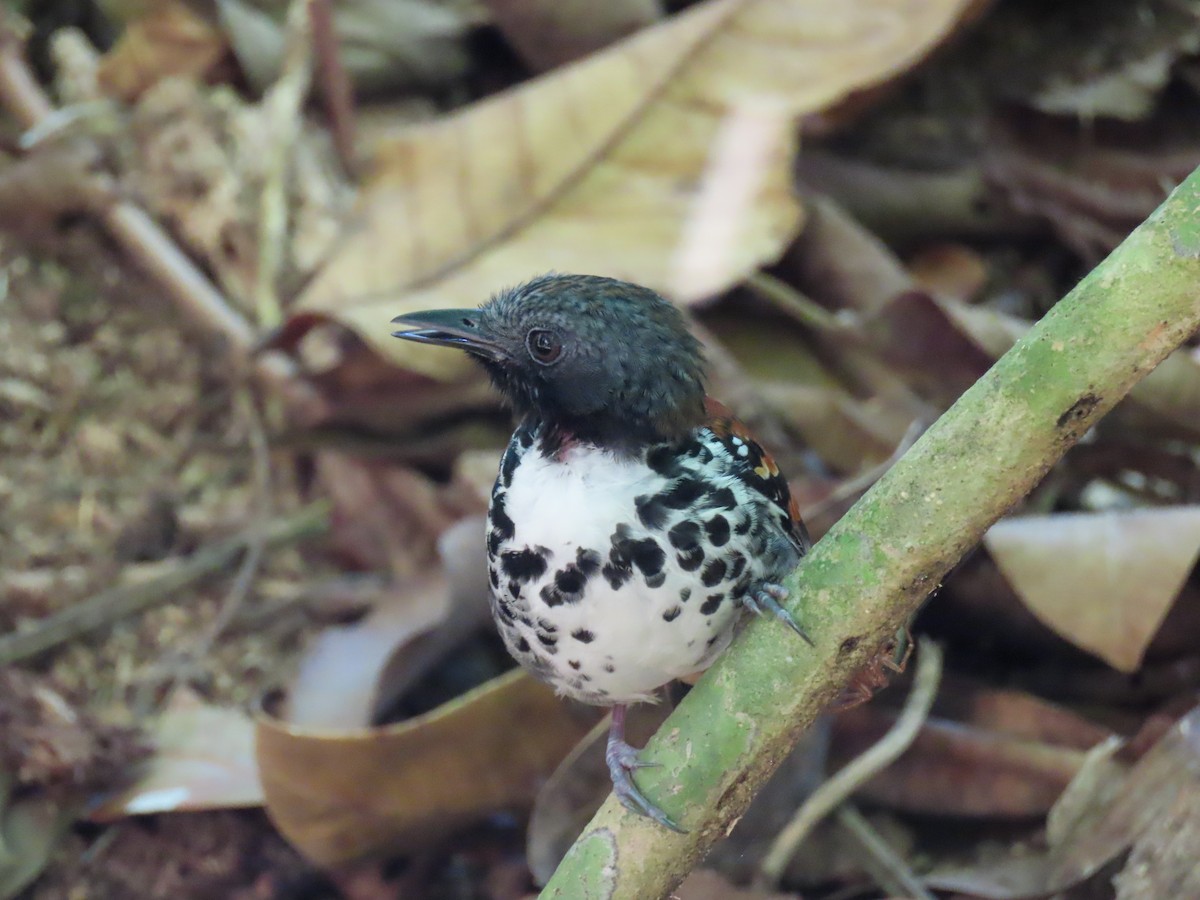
766, 598
622, 760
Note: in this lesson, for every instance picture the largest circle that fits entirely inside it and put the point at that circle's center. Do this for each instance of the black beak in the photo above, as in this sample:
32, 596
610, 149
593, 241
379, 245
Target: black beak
449, 328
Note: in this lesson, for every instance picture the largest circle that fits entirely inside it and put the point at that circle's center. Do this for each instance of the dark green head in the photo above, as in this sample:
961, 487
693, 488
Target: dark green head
594, 358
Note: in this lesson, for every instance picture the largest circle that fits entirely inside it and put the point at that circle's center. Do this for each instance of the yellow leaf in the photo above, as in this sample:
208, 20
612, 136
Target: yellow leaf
598, 167
1103, 581
341, 796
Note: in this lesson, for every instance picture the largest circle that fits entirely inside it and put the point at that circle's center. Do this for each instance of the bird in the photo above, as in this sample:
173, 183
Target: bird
634, 519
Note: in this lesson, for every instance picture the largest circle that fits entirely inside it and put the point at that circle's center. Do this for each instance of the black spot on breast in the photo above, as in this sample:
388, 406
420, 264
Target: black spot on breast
690, 560
547, 640
651, 511
568, 586
524, 436
616, 575
524, 565
685, 535
722, 498
610, 668
742, 528
786, 521
737, 564
648, 556
717, 529
656, 581
523, 646
685, 595
587, 561
514, 588
501, 523
493, 542
683, 493
493, 577
574, 664
711, 604
583, 635
713, 573
546, 625
712, 640
672, 614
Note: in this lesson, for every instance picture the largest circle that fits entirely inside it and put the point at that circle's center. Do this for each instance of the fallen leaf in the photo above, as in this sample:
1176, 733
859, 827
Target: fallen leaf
705, 884
31, 829
1103, 581
349, 673
342, 796
596, 167
203, 759
1107, 818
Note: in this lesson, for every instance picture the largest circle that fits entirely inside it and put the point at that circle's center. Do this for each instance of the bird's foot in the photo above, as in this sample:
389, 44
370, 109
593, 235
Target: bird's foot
622, 761
766, 598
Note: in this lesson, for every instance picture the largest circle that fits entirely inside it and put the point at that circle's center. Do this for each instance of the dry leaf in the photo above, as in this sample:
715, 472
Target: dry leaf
203, 759
596, 167
169, 39
341, 796
1103, 581
1106, 819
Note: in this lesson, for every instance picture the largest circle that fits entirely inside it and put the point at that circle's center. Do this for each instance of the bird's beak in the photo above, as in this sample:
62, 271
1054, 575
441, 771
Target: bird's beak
450, 328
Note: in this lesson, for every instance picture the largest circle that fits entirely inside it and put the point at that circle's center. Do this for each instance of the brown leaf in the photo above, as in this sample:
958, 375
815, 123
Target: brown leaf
169, 39
340, 796
1104, 581
596, 168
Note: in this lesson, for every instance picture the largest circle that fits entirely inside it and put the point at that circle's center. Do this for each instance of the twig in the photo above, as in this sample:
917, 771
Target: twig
846, 781
282, 108
887, 868
116, 603
336, 89
792, 302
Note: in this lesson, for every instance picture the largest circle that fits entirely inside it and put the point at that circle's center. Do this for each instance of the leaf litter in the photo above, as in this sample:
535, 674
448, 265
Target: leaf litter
975, 199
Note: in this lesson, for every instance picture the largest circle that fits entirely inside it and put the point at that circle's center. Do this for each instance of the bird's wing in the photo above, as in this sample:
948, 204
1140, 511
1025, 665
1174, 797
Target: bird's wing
760, 471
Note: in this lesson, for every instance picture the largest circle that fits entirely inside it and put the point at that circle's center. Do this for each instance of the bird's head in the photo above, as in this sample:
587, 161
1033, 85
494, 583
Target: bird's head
596, 359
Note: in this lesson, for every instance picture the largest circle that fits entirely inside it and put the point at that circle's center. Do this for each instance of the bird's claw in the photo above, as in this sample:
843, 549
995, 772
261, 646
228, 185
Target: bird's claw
622, 760
767, 598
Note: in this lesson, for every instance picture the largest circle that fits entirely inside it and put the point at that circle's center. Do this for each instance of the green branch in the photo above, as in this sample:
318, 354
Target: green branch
885, 556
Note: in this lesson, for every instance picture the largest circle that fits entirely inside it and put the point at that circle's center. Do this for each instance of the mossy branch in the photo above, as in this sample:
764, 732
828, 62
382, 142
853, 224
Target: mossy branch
884, 557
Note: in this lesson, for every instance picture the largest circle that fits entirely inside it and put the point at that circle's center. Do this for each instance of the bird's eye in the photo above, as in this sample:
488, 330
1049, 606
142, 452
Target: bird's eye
544, 346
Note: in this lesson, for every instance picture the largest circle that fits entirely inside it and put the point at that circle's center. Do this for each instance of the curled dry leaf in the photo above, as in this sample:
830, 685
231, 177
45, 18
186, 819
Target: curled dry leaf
203, 759
596, 167
341, 796
1103, 581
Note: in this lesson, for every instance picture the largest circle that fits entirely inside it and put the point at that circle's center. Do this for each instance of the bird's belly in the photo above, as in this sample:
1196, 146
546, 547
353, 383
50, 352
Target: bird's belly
594, 602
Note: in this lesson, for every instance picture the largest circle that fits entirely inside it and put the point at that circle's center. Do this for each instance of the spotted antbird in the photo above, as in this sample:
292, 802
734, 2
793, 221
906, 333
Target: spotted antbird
633, 518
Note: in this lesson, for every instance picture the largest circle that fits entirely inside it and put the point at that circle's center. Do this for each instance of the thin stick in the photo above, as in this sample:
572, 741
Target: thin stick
846, 781
887, 868
114, 604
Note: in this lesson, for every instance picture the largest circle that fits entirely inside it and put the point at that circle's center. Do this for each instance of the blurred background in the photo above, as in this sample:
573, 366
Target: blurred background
244, 642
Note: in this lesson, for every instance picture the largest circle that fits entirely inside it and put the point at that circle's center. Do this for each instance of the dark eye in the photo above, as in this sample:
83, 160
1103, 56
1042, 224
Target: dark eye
544, 346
